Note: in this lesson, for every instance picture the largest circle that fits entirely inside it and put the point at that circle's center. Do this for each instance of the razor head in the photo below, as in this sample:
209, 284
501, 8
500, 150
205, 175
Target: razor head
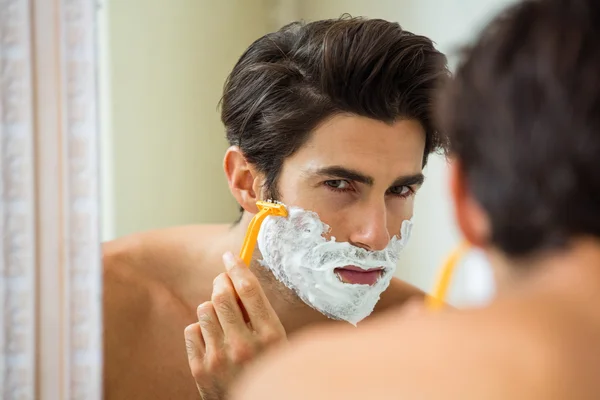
272, 207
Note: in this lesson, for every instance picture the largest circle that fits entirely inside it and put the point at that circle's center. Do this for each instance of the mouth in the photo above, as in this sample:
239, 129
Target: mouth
358, 276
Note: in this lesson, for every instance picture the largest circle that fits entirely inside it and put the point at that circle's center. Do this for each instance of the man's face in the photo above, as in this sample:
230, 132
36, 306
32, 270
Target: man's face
359, 175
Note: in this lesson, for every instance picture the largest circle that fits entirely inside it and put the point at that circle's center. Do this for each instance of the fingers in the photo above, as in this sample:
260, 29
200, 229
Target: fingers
260, 312
222, 343
194, 344
210, 327
224, 299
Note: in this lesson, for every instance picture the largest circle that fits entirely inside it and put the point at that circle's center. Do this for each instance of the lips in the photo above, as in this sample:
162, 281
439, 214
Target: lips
358, 276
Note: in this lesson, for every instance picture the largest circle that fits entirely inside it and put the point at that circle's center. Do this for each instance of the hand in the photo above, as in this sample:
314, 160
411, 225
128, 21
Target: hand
228, 334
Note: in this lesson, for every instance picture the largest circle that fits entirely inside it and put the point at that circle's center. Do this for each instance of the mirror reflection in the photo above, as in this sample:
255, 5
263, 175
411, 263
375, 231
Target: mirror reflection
210, 109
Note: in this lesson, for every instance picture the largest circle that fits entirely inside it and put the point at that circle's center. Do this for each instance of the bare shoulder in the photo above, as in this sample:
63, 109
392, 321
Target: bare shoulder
153, 249
146, 273
491, 354
145, 313
127, 296
167, 258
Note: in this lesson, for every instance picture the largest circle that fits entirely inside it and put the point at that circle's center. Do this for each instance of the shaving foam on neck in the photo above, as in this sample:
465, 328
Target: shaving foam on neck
300, 257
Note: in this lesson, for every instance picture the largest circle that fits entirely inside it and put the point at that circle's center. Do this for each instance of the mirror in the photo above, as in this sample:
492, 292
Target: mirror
128, 139
162, 71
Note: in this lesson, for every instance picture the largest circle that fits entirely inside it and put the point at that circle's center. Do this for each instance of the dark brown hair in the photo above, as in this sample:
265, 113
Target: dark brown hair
523, 116
289, 81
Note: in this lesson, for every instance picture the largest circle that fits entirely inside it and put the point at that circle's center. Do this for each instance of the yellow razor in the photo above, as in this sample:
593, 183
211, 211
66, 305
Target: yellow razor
265, 208
438, 299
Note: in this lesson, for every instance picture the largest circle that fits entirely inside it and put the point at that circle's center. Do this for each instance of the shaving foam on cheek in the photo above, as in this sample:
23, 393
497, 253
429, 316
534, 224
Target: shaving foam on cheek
300, 257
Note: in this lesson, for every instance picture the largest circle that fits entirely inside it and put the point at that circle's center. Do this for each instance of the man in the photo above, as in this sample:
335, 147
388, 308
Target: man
523, 118
332, 117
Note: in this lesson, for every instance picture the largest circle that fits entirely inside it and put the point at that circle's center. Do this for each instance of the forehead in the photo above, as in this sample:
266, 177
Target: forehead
365, 144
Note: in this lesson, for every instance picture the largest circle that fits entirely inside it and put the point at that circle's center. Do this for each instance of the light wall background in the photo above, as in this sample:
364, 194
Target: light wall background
163, 65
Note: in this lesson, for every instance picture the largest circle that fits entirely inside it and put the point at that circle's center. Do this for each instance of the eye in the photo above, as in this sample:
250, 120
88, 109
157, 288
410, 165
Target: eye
401, 191
338, 184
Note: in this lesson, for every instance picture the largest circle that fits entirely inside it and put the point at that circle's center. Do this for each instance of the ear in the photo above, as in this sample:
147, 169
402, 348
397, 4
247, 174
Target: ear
244, 181
470, 216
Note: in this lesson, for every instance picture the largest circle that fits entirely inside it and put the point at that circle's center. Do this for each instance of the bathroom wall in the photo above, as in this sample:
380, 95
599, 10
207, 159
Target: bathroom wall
163, 65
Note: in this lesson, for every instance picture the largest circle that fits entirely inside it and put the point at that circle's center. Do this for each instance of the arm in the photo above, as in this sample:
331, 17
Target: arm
123, 298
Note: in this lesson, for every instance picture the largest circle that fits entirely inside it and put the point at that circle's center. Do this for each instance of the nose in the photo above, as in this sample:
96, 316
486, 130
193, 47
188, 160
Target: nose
370, 232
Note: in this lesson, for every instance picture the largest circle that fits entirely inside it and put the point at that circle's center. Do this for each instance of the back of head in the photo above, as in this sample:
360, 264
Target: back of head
523, 117
290, 81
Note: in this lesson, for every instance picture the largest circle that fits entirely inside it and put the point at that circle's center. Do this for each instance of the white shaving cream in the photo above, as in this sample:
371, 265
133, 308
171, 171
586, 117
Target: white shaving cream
300, 257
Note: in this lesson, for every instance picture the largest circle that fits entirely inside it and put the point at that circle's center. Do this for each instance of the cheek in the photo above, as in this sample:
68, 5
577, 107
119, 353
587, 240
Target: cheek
336, 221
289, 189
400, 211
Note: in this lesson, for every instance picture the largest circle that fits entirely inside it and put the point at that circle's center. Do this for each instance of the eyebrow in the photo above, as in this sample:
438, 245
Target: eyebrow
353, 175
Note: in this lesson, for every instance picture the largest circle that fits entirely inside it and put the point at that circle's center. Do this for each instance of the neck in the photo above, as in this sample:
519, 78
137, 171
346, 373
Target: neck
573, 269
293, 313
